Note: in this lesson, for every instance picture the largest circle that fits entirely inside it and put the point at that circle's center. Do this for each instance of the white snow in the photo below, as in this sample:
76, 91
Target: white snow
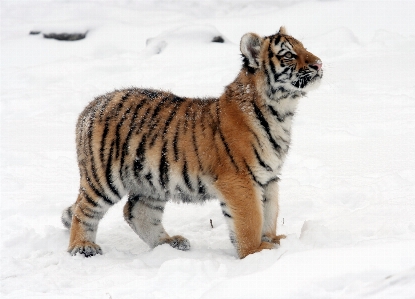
347, 194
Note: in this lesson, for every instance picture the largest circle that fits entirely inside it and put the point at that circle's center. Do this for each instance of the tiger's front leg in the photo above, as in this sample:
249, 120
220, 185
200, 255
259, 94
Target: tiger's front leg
270, 206
241, 205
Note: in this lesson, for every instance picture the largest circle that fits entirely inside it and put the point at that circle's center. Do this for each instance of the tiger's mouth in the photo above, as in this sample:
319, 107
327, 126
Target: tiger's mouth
316, 77
307, 79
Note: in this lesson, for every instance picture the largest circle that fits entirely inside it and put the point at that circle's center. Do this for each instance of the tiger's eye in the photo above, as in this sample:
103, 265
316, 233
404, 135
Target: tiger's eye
288, 55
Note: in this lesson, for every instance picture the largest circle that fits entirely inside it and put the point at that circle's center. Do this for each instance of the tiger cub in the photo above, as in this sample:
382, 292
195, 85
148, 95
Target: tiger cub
155, 146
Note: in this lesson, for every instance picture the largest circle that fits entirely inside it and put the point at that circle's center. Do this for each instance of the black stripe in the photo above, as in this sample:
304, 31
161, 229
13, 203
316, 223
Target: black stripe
225, 144
170, 118
283, 90
175, 141
132, 200
283, 96
104, 136
222, 138
270, 90
266, 127
201, 188
117, 132
279, 52
164, 167
253, 176
90, 213
276, 114
143, 120
278, 75
177, 99
226, 214
89, 226
91, 155
260, 161
89, 199
271, 63
125, 96
185, 175
140, 157
267, 74
149, 178
107, 98
277, 40
108, 200
125, 146
118, 126
156, 208
98, 193
280, 118
108, 174
121, 102
154, 119
271, 180
272, 66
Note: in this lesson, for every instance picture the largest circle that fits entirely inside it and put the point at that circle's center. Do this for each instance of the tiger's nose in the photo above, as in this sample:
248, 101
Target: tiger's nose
317, 65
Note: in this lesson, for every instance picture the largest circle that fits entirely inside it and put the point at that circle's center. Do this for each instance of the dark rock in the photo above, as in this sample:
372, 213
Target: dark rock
218, 39
34, 32
65, 36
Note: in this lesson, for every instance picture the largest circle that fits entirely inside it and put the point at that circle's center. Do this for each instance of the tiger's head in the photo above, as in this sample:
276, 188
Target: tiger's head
281, 61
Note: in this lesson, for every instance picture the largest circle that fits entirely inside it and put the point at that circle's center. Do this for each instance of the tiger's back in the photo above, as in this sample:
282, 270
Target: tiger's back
155, 146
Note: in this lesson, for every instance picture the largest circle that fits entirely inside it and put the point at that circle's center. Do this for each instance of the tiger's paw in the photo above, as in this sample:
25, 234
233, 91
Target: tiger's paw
178, 242
273, 239
86, 248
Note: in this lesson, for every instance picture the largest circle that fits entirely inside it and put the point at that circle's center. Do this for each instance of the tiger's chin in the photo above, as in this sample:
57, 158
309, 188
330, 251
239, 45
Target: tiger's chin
312, 84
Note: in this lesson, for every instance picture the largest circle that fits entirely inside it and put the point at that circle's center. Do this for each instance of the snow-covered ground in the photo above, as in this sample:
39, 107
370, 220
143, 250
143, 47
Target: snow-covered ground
347, 195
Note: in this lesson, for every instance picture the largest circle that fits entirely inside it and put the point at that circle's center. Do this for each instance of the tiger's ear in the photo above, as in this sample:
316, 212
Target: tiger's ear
250, 48
282, 30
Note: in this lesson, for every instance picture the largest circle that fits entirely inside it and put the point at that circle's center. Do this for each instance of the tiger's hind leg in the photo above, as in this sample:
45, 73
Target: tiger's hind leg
144, 215
86, 214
